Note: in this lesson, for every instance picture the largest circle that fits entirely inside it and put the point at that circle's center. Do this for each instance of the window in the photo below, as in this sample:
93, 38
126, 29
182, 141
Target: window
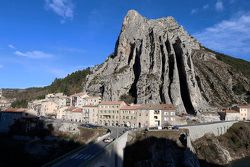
166, 118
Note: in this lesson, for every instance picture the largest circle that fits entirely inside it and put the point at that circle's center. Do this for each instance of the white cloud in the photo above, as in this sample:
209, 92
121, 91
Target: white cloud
219, 6
36, 54
11, 46
63, 8
205, 7
229, 36
193, 11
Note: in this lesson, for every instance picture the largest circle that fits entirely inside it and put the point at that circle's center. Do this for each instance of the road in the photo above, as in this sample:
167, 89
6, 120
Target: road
87, 153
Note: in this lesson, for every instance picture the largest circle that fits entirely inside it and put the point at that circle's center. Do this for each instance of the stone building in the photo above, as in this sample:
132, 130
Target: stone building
244, 112
129, 115
49, 108
232, 115
83, 99
74, 114
10, 115
91, 114
108, 112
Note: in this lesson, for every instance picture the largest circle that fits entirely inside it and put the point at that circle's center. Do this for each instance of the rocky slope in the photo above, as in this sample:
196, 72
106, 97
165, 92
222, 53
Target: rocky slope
157, 61
234, 144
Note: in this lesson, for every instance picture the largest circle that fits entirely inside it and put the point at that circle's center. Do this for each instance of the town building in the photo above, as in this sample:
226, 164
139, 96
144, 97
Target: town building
74, 114
90, 113
9, 116
156, 115
108, 113
49, 109
244, 112
231, 115
83, 99
128, 115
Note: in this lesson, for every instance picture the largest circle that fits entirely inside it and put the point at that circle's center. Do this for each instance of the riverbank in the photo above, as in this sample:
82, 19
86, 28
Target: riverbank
224, 149
245, 162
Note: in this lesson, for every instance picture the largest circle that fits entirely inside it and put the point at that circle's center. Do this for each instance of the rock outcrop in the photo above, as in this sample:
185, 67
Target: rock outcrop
157, 61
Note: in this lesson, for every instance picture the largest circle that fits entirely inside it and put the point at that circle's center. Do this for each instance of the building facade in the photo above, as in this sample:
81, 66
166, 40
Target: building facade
244, 112
109, 112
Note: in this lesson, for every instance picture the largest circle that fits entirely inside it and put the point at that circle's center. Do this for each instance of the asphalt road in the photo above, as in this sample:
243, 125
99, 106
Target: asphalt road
89, 152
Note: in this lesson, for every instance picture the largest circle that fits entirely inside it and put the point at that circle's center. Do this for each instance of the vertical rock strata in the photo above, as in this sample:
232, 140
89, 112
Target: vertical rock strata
157, 61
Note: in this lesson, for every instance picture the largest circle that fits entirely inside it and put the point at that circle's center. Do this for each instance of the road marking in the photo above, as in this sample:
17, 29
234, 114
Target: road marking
91, 156
73, 156
87, 157
78, 156
83, 156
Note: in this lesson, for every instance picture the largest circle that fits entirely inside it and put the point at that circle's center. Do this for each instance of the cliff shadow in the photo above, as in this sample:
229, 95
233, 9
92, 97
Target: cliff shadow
158, 152
33, 142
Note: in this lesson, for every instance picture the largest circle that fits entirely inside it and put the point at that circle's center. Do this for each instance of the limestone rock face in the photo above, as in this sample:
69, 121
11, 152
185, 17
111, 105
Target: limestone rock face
157, 61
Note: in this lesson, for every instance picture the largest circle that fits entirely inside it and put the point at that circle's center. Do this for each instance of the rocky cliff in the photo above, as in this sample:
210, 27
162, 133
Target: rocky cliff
157, 61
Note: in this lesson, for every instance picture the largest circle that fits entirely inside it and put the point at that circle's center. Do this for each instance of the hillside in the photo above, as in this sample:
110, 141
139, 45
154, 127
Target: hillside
240, 65
157, 61
69, 85
225, 148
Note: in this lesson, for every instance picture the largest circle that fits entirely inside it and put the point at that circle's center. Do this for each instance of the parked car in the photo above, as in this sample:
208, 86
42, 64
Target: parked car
108, 140
159, 128
175, 127
168, 127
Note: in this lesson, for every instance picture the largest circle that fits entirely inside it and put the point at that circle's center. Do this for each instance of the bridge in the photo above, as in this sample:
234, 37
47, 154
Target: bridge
111, 155
96, 154
216, 128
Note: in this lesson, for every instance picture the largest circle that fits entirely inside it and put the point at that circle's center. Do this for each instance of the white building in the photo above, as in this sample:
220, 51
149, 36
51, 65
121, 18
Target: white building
49, 108
74, 114
244, 112
232, 115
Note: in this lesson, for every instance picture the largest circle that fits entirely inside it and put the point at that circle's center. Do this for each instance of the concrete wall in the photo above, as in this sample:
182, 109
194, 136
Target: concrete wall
197, 131
112, 156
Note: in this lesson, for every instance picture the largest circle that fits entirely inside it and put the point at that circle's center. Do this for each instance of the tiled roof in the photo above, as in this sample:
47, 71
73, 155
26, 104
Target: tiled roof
131, 107
149, 107
230, 111
77, 110
111, 102
74, 109
15, 110
90, 106
244, 106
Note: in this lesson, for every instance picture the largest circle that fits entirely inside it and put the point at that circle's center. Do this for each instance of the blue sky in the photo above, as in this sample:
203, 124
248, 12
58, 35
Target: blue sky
44, 39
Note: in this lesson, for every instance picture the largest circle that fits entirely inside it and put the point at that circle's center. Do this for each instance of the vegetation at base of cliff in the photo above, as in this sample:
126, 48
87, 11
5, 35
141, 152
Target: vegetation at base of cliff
20, 104
235, 142
71, 84
240, 65
237, 138
127, 98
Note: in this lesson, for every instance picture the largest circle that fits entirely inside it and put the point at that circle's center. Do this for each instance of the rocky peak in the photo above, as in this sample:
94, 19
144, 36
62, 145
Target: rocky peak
157, 61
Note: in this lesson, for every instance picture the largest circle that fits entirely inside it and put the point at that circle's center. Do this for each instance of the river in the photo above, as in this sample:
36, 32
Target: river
245, 162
